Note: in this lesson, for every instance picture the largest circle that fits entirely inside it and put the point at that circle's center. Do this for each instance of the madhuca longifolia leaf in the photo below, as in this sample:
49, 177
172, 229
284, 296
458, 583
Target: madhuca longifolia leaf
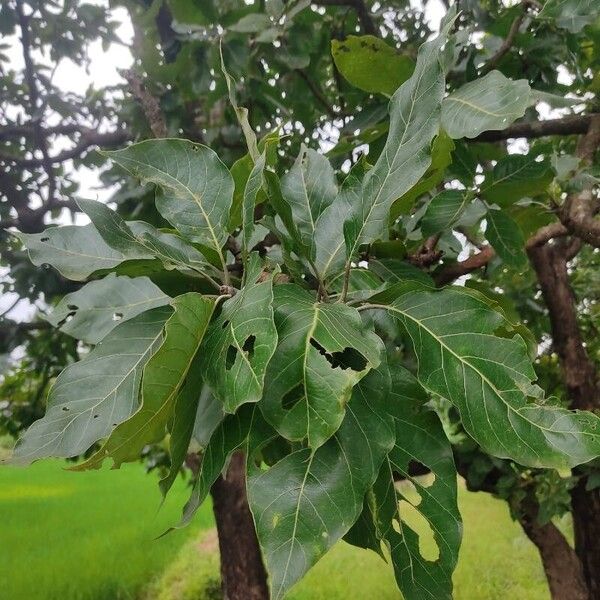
240, 342
91, 397
414, 122
420, 441
308, 500
92, 312
489, 379
163, 379
195, 189
324, 350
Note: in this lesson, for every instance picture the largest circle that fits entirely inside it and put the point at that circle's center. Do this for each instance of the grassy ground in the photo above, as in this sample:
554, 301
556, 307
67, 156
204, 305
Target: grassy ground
90, 536
85, 536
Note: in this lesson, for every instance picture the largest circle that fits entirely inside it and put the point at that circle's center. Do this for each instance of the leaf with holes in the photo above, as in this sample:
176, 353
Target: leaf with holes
239, 345
319, 494
75, 252
489, 379
391, 509
195, 189
406, 156
489, 103
92, 312
164, 376
324, 350
91, 397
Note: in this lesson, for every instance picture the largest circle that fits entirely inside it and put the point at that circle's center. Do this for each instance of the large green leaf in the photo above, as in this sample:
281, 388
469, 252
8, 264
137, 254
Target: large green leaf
414, 122
90, 398
239, 345
164, 375
75, 252
444, 211
516, 176
309, 187
371, 64
489, 379
308, 500
506, 238
490, 103
195, 189
441, 157
328, 241
389, 508
324, 350
90, 313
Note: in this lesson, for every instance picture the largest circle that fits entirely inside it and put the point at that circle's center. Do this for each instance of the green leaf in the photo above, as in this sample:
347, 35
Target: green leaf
181, 429
252, 23
239, 345
164, 375
389, 507
506, 238
397, 271
572, 15
94, 395
308, 500
324, 350
370, 64
233, 434
492, 102
516, 176
329, 247
444, 211
441, 157
92, 312
253, 186
75, 252
309, 187
195, 189
489, 380
406, 156
208, 417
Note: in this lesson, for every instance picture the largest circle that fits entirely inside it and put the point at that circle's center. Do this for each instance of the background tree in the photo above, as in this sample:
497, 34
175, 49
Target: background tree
480, 209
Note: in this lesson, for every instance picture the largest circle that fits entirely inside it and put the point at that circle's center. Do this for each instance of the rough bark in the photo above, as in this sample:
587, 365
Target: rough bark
549, 258
243, 575
561, 564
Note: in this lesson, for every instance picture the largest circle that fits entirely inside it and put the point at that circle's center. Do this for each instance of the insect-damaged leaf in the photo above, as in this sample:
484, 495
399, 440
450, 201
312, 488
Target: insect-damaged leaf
91, 397
319, 495
90, 313
419, 441
240, 343
163, 378
324, 350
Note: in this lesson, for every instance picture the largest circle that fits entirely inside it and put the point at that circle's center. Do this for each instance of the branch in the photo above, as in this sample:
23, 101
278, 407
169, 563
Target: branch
317, 93
361, 11
150, 105
88, 139
508, 42
455, 270
572, 125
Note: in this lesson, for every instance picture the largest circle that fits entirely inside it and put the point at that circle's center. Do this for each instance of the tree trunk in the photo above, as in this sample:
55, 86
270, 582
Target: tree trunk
561, 565
243, 575
585, 507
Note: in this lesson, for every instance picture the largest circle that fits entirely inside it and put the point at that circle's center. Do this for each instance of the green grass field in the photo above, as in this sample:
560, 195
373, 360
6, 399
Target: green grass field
91, 536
